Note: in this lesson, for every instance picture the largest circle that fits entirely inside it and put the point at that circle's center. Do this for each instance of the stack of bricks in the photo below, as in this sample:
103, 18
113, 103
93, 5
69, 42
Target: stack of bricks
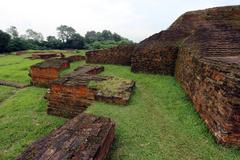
117, 55
84, 137
43, 73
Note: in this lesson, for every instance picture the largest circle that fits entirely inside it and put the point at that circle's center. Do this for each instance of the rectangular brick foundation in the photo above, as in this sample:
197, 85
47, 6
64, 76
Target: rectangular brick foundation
42, 74
84, 137
69, 95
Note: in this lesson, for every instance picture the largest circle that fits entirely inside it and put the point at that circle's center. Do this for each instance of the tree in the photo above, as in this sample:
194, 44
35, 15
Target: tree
18, 44
12, 30
91, 36
54, 43
33, 35
65, 32
76, 42
4, 40
116, 37
106, 35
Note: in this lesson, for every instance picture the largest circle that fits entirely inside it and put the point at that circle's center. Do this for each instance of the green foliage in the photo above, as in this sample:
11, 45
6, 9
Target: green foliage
106, 44
76, 42
33, 35
104, 39
4, 40
65, 32
12, 30
68, 38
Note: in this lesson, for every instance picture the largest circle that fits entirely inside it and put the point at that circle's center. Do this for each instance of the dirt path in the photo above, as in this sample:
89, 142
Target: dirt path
13, 84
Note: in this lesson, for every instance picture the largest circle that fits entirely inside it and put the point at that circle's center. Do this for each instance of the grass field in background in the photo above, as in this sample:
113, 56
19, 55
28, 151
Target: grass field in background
159, 123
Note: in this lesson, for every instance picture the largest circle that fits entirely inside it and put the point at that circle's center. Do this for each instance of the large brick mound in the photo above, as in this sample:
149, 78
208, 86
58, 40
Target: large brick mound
117, 55
202, 49
84, 137
43, 73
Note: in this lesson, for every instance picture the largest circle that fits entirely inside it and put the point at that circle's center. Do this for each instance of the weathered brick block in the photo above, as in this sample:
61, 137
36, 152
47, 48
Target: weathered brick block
42, 74
84, 137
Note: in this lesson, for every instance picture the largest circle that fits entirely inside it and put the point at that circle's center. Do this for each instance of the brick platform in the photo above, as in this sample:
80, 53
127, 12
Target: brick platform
84, 137
42, 74
113, 90
73, 93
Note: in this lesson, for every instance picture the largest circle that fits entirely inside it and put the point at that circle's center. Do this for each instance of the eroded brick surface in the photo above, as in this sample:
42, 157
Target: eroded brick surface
44, 55
42, 74
117, 55
74, 58
84, 137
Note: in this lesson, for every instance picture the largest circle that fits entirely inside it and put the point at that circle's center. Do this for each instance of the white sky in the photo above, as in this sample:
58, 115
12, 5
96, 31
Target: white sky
134, 19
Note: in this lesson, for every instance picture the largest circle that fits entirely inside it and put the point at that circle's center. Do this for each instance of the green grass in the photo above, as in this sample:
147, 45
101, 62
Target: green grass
15, 68
6, 92
159, 123
23, 119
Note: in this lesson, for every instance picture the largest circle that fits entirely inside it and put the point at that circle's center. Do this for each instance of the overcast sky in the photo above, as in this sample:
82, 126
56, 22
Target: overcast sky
134, 19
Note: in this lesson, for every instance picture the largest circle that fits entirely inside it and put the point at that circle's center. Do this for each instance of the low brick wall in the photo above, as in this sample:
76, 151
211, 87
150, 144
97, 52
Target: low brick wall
75, 58
208, 69
84, 137
117, 55
158, 53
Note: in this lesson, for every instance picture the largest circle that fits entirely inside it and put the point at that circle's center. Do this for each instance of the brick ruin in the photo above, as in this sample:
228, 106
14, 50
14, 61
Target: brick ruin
84, 137
43, 73
117, 55
43, 55
113, 90
73, 93
75, 58
202, 50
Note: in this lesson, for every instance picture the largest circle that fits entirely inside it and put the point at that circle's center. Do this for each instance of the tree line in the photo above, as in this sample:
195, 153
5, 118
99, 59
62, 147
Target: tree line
67, 38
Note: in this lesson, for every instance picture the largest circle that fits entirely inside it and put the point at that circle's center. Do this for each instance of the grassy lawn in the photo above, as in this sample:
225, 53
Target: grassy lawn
15, 68
6, 92
159, 123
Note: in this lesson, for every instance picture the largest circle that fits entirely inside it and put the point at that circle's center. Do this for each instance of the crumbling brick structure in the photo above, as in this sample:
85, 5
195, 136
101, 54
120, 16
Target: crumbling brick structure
69, 95
44, 55
117, 55
75, 58
72, 94
43, 73
202, 49
84, 137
